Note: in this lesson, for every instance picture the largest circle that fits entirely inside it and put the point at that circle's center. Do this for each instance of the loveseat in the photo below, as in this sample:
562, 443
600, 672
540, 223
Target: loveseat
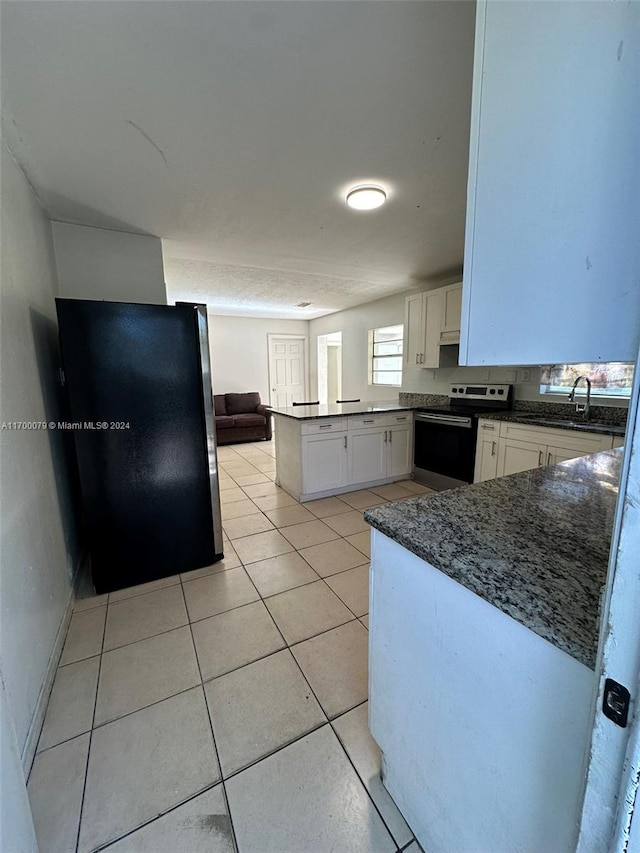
241, 417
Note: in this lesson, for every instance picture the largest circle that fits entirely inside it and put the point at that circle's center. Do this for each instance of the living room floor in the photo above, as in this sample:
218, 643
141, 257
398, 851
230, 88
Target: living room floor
226, 708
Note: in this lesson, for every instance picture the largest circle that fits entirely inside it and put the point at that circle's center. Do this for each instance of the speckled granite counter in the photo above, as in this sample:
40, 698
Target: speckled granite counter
545, 420
337, 410
535, 544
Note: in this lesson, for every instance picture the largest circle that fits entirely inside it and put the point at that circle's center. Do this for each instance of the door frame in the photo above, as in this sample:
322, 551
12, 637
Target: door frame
305, 338
613, 758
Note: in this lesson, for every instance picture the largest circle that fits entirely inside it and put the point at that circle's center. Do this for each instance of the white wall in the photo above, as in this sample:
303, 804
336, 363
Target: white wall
355, 324
17, 833
239, 351
94, 263
38, 548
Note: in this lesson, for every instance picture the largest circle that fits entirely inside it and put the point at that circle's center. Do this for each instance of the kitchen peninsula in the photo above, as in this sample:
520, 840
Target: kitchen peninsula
329, 449
483, 632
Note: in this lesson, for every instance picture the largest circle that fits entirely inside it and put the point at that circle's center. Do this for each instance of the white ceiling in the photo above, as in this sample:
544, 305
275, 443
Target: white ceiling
232, 130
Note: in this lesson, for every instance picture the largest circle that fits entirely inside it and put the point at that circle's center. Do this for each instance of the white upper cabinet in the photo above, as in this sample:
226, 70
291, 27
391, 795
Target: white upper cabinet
552, 250
432, 320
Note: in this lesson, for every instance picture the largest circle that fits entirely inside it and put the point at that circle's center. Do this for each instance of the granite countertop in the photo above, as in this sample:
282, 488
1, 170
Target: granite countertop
556, 421
336, 410
535, 544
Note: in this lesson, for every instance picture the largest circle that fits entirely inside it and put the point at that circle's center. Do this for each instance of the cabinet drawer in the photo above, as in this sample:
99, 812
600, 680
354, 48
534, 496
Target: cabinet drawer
362, 421
399, 418
323, 425
488, 428
583, 442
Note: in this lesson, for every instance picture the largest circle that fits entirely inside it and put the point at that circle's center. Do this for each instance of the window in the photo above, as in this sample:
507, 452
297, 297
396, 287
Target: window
608, 379
385, 355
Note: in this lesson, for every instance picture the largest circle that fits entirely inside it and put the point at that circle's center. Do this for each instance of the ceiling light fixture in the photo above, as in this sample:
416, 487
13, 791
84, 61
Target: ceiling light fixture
302, 304
366, 197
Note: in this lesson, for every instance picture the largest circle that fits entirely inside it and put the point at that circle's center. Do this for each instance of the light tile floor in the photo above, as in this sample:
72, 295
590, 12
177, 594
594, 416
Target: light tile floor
225, 709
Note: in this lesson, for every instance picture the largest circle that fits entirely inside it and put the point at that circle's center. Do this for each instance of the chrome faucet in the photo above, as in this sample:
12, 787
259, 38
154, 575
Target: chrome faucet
582, 408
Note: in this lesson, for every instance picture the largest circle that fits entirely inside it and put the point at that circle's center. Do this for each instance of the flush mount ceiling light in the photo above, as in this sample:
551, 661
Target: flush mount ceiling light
366, 197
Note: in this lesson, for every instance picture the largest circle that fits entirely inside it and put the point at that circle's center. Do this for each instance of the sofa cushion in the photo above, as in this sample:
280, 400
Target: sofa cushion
220, 405
238, 404
249, 420
224, 422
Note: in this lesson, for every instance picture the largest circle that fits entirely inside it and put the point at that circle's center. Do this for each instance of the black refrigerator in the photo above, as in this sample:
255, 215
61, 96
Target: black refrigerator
140, 397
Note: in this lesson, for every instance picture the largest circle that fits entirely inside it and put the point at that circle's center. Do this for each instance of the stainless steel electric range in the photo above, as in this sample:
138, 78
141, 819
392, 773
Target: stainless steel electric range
445, 436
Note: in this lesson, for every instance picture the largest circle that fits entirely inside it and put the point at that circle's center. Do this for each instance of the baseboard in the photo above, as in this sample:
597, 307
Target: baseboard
343, 490
33, 735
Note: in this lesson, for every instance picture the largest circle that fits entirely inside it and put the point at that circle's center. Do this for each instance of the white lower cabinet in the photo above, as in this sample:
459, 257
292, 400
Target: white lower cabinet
515, 456
506, 448
399, 451
324, 462
487, 451
367, 455
322, 457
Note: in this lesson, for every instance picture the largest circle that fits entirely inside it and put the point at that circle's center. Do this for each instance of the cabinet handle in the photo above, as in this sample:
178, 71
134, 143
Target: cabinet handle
345, 442
417, 358
402, 419
493, 448
385, 436
390, 436
421, 358
368, 422
539, 458
549, 458
487, 426
326, 426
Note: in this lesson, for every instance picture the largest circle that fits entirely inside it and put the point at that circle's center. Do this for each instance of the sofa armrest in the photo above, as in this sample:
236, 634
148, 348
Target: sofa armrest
263, 410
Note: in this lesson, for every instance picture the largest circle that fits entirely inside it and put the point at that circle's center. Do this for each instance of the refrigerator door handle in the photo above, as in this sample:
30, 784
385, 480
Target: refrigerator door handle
210, 424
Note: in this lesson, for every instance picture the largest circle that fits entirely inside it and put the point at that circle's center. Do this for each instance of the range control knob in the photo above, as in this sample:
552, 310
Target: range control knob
492, 390
500, 390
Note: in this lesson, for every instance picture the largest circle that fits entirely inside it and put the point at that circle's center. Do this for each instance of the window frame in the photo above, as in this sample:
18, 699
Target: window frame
598, 394
372, 357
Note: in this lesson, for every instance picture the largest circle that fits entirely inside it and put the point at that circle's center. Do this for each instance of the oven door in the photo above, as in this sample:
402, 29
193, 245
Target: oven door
444, 449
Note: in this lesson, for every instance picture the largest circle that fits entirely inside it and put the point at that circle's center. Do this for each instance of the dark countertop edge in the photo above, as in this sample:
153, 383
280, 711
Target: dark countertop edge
359, 409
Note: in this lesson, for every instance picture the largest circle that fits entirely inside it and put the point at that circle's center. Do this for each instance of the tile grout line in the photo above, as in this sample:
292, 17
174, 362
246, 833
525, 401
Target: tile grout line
130, 832
93, 717
213, 736
361, 780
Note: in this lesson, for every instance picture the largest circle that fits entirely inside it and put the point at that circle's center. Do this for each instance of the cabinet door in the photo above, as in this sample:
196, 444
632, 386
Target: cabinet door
324, 462
515, 456
486, 452
618, 441
450, 330
433, 309
561, 454
550, 261
367, 455
400, 452
414, 329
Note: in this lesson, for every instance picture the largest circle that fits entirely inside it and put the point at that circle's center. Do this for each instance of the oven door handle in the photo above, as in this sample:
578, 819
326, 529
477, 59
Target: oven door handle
446, 420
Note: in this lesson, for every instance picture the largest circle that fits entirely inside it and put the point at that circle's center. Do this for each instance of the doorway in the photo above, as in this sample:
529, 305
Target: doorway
287, 370
330, 367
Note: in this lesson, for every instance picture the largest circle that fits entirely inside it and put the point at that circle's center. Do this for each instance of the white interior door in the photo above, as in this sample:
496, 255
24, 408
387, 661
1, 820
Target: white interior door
287, 370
